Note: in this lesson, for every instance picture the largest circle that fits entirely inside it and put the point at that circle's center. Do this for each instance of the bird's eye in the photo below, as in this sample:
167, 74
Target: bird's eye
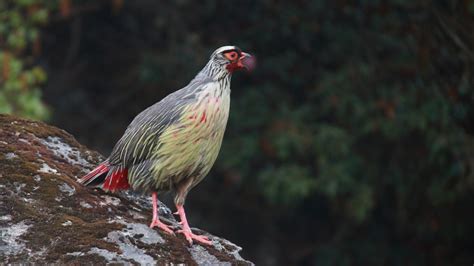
231, 55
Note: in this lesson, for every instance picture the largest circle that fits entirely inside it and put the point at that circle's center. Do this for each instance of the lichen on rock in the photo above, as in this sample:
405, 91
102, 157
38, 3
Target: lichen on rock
47, 217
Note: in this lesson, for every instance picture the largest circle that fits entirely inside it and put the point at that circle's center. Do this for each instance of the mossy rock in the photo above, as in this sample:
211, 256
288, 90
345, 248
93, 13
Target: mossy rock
47, 217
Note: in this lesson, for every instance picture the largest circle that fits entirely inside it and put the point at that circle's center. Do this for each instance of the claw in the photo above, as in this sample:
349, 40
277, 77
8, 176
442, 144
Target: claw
162, 226
186, 230
190, 236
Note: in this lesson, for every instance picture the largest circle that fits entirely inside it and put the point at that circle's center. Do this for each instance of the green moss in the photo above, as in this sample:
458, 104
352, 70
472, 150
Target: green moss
41, 204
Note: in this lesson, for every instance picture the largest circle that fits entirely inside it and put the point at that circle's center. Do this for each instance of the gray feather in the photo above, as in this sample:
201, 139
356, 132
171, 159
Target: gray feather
142, 135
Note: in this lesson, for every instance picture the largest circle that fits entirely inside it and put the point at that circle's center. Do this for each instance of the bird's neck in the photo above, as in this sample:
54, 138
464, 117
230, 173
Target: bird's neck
215, 72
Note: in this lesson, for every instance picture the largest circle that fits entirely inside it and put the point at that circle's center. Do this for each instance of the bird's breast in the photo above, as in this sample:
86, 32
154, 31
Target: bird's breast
191, 146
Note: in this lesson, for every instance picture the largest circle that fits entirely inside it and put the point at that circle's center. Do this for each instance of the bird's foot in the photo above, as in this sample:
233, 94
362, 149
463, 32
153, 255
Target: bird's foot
162, 226
190, 236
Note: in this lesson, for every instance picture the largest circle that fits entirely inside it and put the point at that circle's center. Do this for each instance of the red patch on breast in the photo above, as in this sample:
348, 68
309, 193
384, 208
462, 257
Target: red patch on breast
203, 117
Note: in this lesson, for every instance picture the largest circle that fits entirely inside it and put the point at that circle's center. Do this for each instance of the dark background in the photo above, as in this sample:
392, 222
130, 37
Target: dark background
351, 144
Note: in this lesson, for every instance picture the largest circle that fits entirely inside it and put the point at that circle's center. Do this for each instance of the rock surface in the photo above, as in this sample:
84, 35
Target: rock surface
46, 217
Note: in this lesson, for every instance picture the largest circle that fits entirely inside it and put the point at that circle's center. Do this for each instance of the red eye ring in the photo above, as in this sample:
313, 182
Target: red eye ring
232, 55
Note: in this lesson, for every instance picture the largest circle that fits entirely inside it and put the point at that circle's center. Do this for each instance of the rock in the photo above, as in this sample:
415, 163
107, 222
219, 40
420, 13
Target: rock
47, 217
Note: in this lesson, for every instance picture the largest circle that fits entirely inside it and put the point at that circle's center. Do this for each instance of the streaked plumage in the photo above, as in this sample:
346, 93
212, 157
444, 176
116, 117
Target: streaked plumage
177, 138
173, 144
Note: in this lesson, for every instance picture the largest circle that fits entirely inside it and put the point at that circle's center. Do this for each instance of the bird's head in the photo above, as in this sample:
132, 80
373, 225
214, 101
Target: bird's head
231, 58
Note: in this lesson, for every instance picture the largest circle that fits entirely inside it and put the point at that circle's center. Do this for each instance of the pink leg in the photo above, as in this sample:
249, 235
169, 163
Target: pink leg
187, 230
156, 221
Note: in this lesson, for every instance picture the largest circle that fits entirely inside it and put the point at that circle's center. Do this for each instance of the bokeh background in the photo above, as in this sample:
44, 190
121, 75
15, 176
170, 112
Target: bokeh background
351, 144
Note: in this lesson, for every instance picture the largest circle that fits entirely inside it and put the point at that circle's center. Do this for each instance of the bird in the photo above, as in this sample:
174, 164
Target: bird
173, 144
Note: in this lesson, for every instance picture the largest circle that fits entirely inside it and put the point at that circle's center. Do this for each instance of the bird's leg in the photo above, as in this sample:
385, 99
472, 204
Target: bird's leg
186, 231
155, 221
182, 191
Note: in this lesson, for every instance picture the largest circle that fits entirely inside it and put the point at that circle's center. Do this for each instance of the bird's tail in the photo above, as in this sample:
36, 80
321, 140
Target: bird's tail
110, 178
96, 176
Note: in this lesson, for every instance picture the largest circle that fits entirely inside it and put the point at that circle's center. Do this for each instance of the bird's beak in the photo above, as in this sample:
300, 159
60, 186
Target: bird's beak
247, 61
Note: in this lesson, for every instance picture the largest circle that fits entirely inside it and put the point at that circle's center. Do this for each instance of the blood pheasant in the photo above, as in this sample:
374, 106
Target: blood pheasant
172, 145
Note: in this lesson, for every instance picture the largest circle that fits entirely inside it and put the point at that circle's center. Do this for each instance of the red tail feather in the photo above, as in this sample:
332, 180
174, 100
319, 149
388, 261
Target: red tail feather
103, 168
117, 180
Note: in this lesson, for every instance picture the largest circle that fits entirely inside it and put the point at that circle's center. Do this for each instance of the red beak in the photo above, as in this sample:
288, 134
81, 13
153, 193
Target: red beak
246, 61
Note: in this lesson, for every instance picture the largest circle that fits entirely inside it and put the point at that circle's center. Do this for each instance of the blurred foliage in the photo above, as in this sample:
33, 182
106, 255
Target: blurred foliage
368, 106
20, 79
352, 143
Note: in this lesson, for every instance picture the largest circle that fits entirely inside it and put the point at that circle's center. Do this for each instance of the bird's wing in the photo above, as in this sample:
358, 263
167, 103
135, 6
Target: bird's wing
142, 135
